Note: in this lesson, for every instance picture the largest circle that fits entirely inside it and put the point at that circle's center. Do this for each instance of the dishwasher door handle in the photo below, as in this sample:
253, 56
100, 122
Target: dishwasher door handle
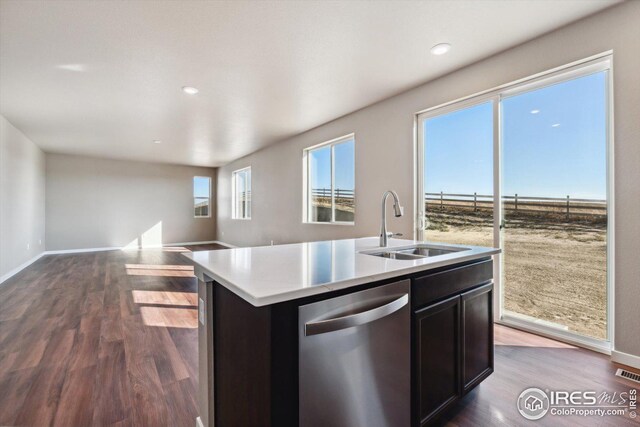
343, 322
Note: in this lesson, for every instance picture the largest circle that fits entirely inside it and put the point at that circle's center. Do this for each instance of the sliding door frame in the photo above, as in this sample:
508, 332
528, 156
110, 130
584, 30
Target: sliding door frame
587, 66
497, 206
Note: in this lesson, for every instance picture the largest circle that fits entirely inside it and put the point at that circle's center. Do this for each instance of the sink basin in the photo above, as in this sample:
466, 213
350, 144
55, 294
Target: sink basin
415, 252
398, 255
426, 251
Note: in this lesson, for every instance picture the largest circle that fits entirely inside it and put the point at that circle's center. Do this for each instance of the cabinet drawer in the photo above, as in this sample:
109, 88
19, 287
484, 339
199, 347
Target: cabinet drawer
435, 286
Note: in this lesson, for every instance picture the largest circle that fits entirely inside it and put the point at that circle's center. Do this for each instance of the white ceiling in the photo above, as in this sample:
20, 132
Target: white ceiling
103, 78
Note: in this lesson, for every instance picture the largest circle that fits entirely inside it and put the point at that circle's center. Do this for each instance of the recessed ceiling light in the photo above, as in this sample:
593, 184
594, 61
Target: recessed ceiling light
535, 111
555, 125
441, 48
190, 90
157, 141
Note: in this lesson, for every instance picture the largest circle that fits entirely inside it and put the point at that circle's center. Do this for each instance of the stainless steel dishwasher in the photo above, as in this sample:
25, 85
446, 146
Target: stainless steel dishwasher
354, 359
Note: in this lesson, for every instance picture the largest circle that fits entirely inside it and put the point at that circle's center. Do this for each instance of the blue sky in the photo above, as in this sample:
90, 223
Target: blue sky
344, 167
539, 159
201, 186
458, 151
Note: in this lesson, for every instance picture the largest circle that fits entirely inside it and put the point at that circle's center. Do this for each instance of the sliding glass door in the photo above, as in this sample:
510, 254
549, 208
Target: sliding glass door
458, 175
554, 163
526, 168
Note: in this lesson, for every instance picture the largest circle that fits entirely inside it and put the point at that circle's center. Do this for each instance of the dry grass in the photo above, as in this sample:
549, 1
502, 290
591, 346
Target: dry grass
554, 270
342, 203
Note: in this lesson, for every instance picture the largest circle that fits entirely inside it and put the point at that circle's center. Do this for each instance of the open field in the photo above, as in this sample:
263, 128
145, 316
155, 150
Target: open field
321, 208
555, 270
555, 264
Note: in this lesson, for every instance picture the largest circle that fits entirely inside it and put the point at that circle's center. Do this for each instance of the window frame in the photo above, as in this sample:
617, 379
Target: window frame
193, 191
234, 177
307, 190
577, 69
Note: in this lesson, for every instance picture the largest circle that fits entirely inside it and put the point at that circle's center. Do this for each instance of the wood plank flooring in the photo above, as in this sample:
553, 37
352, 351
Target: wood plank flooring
525, 360
110, 339
100, 339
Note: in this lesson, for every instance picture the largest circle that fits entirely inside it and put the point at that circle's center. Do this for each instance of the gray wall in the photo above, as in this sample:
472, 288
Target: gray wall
97, 203
21, 198
385, 153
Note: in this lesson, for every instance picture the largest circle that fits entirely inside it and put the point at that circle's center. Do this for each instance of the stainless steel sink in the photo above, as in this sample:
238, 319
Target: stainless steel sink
397, 255
415, 252
427, 251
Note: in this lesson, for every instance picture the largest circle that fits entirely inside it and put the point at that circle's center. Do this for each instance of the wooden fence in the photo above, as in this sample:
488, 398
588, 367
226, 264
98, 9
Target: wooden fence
518, 203
339, 193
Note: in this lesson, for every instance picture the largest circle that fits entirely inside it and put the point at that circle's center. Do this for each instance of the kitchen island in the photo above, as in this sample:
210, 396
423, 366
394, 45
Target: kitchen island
342, 332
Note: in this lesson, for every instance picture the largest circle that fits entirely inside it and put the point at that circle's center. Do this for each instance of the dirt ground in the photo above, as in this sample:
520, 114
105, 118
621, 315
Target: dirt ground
555, 270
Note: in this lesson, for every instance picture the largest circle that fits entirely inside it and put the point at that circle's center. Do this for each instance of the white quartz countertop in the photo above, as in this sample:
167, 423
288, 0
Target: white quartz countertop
271, 274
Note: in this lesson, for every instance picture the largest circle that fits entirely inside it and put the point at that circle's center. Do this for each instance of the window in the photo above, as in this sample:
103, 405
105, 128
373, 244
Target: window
330, 182
526, 167
554, 204
458, 174
202, 196
241, 194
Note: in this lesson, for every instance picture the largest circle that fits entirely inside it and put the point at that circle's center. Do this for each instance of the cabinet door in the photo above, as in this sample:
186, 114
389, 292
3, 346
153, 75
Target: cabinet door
437, 353
477, 335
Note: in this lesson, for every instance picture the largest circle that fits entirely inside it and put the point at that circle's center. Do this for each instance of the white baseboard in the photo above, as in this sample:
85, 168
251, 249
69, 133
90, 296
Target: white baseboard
135, 248
199, 422
625, 359
21, 267
78, 251
26, 264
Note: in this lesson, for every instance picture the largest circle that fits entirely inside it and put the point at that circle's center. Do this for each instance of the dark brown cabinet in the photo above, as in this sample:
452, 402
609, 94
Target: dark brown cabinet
437, 329
252, 373
477, 336
453, 340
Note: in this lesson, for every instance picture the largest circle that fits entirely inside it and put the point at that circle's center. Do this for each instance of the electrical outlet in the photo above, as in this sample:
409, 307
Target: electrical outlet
272, 243
40, 242
201, 311
28, 246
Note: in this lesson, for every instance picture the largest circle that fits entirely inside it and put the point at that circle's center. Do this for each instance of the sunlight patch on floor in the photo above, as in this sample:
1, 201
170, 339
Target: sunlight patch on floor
166, 308
159, 270
506, 336
180, 317
175, 249
188, 299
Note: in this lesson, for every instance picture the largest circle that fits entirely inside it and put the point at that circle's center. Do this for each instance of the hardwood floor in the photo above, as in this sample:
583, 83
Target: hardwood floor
100, 339
110, 339
525, 360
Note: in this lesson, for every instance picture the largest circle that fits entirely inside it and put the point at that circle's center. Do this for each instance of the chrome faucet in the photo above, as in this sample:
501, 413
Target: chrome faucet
398, 211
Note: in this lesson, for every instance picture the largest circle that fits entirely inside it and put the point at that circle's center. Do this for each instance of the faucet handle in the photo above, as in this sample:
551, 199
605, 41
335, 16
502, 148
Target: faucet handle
394, 234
